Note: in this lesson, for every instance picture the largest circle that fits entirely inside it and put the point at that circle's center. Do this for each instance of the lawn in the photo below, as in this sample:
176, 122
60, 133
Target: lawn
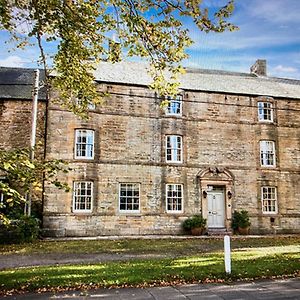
177, 247
251, 258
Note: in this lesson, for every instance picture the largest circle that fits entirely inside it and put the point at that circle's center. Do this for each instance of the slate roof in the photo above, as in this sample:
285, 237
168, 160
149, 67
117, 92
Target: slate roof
203, 80
17, 83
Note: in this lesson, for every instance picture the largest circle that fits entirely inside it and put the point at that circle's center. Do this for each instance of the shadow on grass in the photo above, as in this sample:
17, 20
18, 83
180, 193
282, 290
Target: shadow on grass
189, 269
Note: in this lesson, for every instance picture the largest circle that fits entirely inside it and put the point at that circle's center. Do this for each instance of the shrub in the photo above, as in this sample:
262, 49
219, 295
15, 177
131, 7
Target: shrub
194, 222
25, 229
240, 219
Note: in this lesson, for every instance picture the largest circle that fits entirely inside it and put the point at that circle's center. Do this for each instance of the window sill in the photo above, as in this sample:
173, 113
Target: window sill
266, 122
129, 212
174, 115
82, 212
170, 212
269, 167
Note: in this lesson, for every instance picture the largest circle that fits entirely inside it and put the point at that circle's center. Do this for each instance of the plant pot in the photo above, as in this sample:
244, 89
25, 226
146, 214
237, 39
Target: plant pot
197, 231
244, 231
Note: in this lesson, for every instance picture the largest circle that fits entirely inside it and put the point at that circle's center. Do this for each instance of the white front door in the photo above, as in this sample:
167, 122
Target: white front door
216, 209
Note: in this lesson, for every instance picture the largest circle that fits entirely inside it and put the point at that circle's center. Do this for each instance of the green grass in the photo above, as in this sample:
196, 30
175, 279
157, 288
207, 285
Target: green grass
246, 263
144, 246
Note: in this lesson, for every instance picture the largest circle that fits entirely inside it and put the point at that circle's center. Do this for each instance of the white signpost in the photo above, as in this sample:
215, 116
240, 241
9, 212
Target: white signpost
227, 254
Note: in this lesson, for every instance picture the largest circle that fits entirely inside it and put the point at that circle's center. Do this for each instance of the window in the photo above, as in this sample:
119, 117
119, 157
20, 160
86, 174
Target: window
90, 105
84, 144
174, 106
265, 111
267, 153
174, 148
174, 197
82, 196
129, 197
269, 199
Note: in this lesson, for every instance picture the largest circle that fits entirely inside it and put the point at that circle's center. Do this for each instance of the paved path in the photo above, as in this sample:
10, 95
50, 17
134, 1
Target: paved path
259, 290
18, 260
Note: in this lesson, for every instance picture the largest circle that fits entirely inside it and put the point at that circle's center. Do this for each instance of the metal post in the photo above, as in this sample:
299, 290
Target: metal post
33, 131
227, 254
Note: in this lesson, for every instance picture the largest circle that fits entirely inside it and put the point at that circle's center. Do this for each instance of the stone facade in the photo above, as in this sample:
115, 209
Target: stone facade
220, 134
16, 86
15, 123
234, 145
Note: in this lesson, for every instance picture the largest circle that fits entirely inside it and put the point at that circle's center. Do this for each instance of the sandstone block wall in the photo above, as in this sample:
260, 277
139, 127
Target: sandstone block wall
15, 123
219, 131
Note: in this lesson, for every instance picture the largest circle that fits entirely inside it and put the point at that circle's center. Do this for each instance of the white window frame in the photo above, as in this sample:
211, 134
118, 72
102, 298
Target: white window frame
80, 133
265, 111
173, 146
90, 105
85, 196
126, 210
267, 151
171, 109
265, 191
174, 197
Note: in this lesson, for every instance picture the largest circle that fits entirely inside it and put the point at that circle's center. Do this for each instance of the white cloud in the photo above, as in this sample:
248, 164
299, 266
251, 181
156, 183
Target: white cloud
253, 33
285, 72
275, 11
261, 24
12, 61
281, 68
242, 40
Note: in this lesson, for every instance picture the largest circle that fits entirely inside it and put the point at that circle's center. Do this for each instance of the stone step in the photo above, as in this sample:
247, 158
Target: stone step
218, 231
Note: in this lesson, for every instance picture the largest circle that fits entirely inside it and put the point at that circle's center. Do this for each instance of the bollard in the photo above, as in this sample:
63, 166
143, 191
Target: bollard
227, 254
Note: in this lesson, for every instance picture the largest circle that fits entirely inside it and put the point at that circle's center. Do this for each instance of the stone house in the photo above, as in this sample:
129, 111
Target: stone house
228, 141
16, 86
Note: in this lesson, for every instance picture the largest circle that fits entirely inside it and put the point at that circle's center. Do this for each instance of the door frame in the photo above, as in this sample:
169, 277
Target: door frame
217, 177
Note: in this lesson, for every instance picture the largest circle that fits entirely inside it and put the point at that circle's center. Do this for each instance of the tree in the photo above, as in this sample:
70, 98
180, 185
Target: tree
23, 176
88, 31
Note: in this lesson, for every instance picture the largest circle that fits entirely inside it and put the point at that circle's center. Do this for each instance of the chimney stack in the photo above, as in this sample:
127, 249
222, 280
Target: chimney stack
259, 68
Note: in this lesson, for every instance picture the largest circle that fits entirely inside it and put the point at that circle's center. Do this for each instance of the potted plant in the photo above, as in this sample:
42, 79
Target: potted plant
195, 224
241, 222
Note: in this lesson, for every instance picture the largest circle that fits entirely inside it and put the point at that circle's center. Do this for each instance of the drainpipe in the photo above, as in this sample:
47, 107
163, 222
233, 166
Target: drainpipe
34, 112
33, 131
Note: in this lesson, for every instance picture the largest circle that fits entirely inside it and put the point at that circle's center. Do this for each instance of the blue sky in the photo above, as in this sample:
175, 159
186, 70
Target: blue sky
269, 29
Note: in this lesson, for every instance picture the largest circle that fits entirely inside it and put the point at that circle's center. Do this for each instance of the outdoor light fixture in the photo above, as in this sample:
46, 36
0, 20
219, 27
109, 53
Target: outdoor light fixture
204, 194
229, 193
